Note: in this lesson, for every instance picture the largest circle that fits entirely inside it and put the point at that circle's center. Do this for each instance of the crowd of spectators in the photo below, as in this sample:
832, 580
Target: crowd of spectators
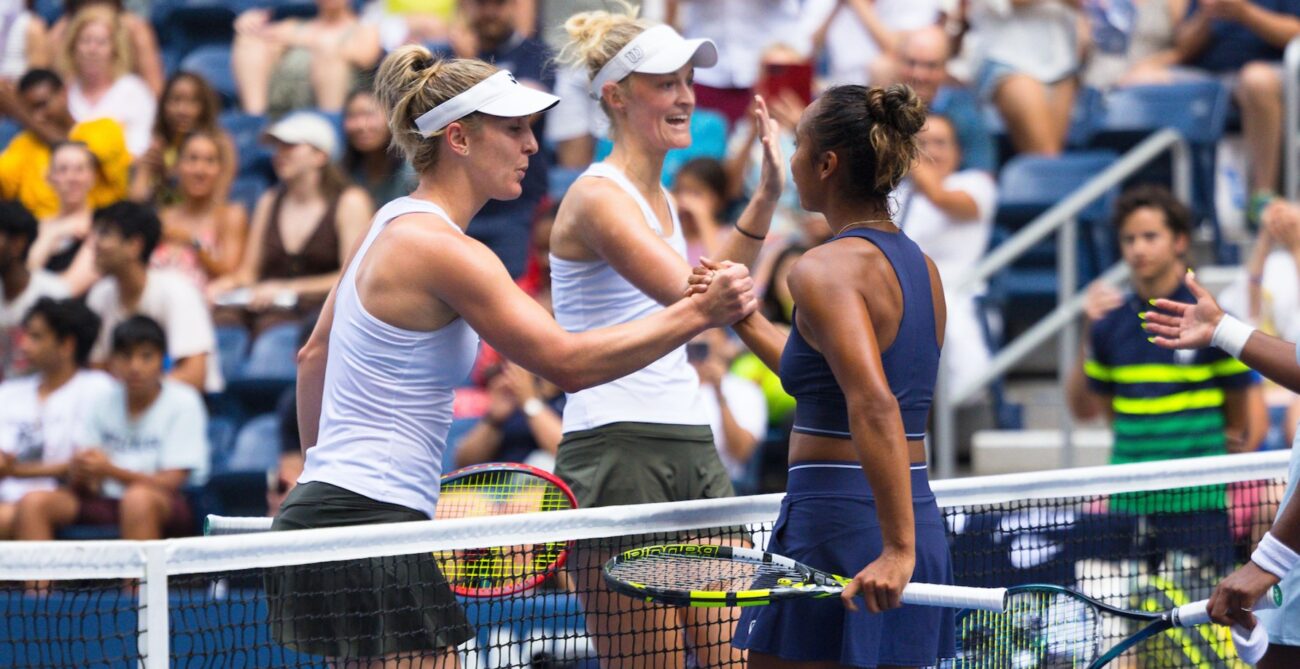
153, 209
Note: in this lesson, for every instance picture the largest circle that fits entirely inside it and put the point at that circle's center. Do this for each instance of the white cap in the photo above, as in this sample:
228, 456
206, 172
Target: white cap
498, 95
306, 128
657, 50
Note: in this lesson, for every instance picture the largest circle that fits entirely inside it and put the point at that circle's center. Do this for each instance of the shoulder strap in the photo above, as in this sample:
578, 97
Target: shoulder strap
607, 171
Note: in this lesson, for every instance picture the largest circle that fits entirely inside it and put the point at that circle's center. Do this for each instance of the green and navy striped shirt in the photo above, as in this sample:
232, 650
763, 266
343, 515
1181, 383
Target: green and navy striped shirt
1166, 404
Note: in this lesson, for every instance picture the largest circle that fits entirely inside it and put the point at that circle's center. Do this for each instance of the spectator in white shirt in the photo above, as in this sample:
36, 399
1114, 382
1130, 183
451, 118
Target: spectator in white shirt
141, 443
41, 414
98, 56
949, 214
857, 33
20, 287
126, 234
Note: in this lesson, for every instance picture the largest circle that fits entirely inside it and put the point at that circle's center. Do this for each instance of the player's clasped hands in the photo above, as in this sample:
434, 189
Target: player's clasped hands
725, 291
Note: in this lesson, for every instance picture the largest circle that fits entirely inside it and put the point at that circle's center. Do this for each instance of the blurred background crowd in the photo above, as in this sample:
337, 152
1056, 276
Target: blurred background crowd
208, 164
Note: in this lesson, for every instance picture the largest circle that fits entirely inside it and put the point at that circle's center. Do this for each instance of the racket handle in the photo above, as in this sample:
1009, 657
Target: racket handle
955, 596
1198, 613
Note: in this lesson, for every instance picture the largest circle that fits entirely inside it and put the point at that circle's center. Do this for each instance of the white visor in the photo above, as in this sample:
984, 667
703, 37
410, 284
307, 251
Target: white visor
658, 50
498, 95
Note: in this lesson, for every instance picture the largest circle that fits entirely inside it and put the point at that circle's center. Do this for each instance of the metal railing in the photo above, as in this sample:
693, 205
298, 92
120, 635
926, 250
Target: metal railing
1062, 219
1291, 129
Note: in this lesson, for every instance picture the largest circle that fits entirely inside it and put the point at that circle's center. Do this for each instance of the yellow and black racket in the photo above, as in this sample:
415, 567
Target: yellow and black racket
499, 489
710, 575
1020, 626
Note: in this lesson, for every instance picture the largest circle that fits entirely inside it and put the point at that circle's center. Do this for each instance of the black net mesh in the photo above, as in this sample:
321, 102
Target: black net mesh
1122, 550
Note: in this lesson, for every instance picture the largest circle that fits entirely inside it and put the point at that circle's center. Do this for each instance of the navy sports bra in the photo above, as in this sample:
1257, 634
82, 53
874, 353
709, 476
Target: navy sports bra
911, 362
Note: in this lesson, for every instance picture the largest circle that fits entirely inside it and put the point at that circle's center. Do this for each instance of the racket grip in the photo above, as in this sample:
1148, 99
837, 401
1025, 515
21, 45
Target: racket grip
955, 596
1198, 613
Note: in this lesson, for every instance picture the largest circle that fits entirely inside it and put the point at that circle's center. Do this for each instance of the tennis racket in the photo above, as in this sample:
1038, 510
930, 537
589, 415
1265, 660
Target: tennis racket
498, 489
1024, 626
1050, 626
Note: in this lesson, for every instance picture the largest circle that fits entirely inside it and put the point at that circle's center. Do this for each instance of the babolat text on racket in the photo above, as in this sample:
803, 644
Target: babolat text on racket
498, 489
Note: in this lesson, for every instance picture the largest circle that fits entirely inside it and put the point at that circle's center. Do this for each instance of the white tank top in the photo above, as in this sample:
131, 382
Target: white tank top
590, 294
388, 394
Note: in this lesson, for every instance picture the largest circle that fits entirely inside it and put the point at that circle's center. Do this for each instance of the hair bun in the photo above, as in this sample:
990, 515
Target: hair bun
897, 107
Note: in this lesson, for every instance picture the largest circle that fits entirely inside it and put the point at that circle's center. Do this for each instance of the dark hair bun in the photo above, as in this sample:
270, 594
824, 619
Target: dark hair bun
898, 108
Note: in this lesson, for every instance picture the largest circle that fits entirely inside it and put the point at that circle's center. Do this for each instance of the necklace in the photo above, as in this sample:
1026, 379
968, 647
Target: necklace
862, 224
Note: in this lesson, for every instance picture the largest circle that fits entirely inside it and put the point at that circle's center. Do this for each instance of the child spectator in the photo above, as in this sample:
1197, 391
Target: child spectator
20, 287
143, 441
125, 237
41, 106
97, 59
60, 246
41, 414
203, 233
188, 104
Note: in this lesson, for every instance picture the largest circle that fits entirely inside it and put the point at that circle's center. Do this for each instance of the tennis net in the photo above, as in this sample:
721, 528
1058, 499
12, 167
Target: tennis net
1148, 536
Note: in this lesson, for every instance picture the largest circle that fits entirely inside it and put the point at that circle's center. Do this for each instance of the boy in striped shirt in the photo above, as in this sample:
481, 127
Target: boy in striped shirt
1161, 404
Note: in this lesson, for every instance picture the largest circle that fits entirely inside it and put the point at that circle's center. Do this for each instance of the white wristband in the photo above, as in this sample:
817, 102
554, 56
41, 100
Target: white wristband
1230, 335
1274, 557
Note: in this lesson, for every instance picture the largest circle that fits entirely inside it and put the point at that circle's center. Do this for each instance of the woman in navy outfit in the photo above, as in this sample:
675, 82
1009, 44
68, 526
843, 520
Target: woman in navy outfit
861, 361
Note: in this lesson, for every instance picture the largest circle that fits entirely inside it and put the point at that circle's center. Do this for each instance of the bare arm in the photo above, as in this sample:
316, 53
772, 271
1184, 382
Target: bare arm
1187, 326
956, 203
1192, 35
147, 58
1084, 404
834, 316
1273, 27
251, 258
24, 470
232, 237
474, 283
192, 370
885, 38
38, 53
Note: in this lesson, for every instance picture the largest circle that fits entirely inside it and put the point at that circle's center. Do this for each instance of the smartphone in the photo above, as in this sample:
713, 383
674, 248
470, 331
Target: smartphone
794, 77
697, 351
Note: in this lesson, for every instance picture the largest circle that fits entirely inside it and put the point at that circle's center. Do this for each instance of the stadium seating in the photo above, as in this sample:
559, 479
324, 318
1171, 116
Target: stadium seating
269, 370
1198, 110
212, 62
1028, 186
257, 448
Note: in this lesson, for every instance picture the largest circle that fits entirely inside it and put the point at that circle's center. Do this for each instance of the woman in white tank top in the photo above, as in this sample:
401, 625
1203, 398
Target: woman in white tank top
618, 254
400, 331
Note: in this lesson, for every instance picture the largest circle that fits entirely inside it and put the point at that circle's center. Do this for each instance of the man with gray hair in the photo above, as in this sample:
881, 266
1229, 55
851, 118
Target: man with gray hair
922, 63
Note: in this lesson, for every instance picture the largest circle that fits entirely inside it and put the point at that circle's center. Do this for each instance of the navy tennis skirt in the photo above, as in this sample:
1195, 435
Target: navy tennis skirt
828, 521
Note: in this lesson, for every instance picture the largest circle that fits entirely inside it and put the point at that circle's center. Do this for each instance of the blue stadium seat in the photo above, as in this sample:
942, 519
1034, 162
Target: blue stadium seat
1197, 109
222, 430
232, 346
185, 25
212, 62
257, 448
246, 132
269, 370
1029, 186
246, 191
50, 10
8, 130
